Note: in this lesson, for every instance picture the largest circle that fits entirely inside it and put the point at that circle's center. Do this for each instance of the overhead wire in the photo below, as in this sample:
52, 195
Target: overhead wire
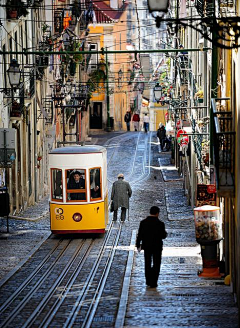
89, 37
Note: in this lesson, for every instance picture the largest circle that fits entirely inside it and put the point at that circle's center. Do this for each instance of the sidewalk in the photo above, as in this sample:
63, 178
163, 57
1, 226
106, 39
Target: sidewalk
34, 212
182, 298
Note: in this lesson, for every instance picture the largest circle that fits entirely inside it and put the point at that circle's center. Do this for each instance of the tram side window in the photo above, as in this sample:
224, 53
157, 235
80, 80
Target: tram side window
57, 189
95, 184
76, 184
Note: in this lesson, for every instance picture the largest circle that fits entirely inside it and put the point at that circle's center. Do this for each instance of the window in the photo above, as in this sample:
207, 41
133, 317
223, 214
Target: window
4, 66
16, 43
26, 38
95, 183
76, 185
94, 57
57, 188
10, 47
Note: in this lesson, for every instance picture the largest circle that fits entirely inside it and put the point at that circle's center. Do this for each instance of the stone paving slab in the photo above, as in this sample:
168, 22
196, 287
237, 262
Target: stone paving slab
182, 298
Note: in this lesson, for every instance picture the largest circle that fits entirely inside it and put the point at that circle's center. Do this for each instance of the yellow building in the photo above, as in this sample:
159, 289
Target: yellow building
109, 100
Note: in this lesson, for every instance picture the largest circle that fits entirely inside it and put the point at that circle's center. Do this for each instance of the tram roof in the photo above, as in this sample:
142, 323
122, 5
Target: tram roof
78, 150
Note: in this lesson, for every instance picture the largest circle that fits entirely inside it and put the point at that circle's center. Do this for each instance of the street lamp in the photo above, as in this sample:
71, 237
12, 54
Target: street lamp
224, 30
157, 92
14, 74
160, 6
68, 86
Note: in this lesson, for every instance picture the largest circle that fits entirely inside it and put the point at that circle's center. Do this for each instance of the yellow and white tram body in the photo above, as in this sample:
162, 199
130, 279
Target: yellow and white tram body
78, 195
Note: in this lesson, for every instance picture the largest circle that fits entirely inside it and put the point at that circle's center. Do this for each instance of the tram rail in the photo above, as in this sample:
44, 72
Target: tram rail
75, 275
144, 139
26, 291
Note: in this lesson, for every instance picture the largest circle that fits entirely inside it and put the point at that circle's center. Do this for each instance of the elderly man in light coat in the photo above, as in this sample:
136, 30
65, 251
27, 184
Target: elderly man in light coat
121, 192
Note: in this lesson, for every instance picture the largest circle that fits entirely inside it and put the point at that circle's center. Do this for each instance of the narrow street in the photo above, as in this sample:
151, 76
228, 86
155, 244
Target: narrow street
182, 298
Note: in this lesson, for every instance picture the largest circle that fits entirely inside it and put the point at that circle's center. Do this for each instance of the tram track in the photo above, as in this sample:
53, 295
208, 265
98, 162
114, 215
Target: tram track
61, 290
95, 298
17, 292
15, 307
143, 146
71, 295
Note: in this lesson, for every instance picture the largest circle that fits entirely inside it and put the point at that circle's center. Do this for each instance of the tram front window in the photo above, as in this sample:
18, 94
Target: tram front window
76, 185
95, 183
57, 190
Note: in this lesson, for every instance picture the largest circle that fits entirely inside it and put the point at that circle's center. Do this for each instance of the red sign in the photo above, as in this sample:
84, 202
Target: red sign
166, 116
206, 195
182, 137
178, 124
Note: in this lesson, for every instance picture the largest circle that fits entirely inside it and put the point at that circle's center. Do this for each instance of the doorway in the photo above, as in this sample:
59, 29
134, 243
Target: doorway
96, 116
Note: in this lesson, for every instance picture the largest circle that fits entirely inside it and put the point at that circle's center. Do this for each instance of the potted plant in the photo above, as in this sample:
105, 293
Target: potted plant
12, 14
95, 78
77, 47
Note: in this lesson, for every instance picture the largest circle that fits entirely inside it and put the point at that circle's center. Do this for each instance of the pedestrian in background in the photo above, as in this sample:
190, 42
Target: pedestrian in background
161, 134
127, 119
146, 122
150, 235
121, 192
136, 119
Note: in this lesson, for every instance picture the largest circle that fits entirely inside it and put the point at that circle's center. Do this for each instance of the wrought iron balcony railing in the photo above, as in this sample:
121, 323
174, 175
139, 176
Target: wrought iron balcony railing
224, 147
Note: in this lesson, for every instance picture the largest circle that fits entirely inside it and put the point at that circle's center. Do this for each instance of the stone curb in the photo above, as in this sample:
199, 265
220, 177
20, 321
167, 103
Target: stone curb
33, 219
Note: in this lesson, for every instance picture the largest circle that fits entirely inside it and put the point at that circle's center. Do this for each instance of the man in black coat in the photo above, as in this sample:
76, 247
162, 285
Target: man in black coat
161, 134
150, 235
127, 119
77, 182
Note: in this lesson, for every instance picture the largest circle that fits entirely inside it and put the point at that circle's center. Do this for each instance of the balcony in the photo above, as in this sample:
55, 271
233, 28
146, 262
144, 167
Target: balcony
205, 8
224, 147
29, 85
48, 107
58, 20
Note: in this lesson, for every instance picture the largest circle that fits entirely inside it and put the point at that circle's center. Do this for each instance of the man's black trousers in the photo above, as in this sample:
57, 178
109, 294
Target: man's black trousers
152, 266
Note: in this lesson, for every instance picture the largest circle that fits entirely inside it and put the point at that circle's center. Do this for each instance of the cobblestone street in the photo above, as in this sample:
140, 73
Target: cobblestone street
182, 298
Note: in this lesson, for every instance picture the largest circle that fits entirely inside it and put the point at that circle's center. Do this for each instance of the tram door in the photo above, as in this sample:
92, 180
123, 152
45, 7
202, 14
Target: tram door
96, 116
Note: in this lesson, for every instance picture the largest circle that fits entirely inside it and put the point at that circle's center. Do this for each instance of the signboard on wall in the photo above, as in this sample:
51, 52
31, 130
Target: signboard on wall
206, 195
7, 147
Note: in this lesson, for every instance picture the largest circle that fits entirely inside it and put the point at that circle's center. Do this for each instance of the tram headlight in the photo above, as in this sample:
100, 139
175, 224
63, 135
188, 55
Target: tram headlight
77, 217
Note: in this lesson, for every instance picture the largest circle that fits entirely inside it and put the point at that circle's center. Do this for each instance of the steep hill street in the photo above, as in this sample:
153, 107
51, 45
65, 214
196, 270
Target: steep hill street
182, 298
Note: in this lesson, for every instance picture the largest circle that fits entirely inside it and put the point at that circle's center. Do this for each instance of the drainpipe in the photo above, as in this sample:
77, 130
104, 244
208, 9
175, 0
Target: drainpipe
22, 164
10, 188
214, 92
205, 74
107, 89
35, 113
16, 172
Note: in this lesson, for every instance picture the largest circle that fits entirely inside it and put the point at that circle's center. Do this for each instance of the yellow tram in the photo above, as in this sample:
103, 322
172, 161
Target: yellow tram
78, 195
